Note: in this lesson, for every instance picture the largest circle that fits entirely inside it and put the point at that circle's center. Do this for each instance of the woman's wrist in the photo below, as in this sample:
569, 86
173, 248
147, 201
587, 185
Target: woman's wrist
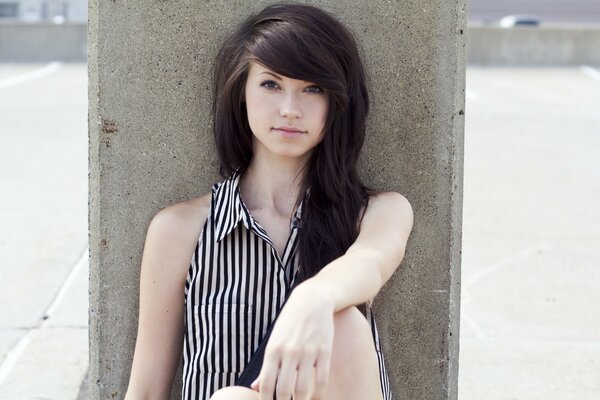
313, 290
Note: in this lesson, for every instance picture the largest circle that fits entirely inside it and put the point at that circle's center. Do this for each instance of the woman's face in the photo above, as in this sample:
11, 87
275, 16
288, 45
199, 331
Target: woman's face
287, 116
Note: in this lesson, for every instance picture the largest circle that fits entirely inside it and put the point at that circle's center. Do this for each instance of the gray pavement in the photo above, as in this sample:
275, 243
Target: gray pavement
530, 328
530, 323
43, 233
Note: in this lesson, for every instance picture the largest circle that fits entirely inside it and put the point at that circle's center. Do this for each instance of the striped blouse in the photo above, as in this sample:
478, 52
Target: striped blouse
235, 286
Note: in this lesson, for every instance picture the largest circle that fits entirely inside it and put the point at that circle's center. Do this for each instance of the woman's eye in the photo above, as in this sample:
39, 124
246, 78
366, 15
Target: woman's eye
269, 85
314, 89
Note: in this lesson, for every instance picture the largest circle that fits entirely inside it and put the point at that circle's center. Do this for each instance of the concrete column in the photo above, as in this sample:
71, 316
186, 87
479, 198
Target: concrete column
151, 146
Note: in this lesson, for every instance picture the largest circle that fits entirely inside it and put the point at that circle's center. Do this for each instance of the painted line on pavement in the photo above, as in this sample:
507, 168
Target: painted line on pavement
591, 72
81, 263
39, 73
14, 353
505, 262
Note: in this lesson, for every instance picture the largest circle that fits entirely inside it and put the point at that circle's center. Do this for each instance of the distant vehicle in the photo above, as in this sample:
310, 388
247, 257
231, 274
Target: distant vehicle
519, 20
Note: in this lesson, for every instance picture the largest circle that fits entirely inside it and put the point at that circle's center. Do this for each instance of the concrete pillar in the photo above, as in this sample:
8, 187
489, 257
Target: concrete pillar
151, 145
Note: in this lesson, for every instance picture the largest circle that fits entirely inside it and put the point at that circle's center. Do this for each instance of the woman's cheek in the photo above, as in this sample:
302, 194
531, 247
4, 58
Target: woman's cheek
256, 108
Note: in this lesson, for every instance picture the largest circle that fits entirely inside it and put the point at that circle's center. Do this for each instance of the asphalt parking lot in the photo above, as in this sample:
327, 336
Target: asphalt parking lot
530, 325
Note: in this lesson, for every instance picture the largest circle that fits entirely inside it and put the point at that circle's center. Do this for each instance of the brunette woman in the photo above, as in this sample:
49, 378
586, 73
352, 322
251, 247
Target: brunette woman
290, 221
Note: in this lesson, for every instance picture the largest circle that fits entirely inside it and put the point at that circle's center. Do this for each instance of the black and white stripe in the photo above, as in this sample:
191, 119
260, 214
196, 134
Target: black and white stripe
235, 286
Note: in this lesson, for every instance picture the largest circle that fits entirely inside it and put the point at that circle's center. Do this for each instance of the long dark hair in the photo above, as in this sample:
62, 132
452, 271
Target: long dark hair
302, 42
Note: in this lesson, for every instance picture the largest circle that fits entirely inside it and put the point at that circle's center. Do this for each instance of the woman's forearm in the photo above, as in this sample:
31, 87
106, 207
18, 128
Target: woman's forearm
358, 275
352, 279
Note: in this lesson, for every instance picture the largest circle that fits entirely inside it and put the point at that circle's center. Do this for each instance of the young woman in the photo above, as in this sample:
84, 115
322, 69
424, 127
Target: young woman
290, 221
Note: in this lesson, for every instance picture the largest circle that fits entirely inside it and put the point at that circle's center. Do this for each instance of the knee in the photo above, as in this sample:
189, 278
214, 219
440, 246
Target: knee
234, 393
352, 335
353, 358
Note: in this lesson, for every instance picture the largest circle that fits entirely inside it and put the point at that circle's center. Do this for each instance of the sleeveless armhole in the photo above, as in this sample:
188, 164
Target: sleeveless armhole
191, 272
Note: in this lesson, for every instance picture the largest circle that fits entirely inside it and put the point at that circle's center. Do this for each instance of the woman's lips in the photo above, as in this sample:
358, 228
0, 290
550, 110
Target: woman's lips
288, 131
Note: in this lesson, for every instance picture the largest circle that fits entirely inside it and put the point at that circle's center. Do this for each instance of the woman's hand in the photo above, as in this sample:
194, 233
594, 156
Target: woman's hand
298, 354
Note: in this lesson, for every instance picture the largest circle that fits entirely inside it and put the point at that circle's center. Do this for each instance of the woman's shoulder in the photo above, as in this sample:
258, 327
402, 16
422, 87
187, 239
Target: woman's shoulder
183, 217
178, 226
172, 237
389, 197
385, 204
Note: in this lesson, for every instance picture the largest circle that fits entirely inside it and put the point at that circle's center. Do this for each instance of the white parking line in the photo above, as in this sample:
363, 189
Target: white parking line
506, 261
39, 73
591, 72
14, 353
81, 262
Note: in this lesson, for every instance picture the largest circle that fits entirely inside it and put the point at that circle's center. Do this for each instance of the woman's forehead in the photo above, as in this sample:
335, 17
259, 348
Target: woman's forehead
259, 70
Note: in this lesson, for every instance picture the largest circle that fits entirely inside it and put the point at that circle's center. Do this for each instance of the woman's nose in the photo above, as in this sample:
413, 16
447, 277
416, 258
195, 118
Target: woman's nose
290, 108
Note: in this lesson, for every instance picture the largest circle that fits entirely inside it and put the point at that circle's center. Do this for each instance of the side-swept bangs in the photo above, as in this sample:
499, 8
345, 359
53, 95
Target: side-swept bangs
306, 43
301, 51
299, 42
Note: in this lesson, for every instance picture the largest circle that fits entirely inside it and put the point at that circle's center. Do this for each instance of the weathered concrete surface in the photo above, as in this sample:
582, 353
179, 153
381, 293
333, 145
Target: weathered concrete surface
150, 146
534, 46
42, 42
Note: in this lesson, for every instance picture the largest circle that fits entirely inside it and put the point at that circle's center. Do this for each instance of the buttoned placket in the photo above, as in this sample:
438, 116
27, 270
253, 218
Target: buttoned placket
285, 260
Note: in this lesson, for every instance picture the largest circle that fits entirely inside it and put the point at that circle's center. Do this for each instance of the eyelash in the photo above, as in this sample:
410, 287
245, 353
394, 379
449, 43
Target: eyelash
266, 85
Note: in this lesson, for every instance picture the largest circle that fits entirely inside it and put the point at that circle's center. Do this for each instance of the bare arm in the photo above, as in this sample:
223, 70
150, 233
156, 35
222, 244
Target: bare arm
302, 337
170, 242
358, 275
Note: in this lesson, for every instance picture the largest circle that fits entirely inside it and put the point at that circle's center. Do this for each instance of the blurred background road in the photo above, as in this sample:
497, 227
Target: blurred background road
564, 12
530, 325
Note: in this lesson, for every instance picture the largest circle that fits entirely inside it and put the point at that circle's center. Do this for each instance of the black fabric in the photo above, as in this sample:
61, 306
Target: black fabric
252, 369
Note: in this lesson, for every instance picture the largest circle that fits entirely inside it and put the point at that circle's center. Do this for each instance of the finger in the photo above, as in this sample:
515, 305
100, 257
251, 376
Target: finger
268, 375
305, 378
287, 378
255, 385
322, 372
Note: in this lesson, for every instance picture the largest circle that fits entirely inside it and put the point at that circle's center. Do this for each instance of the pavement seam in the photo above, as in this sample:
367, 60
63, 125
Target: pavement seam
13, 354
505, 262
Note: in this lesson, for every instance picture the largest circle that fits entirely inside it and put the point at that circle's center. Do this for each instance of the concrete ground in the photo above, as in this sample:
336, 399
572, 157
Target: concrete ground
530, 323
43, 233
530, 328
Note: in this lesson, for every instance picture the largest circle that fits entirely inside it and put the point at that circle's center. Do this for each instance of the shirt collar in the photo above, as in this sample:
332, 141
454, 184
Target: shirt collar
230, 210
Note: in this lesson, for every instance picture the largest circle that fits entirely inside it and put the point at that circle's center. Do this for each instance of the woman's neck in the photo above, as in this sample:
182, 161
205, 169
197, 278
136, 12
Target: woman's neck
272, 184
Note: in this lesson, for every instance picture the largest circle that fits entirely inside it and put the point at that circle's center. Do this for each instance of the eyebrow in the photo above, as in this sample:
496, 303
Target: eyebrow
277, 76
271, 73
